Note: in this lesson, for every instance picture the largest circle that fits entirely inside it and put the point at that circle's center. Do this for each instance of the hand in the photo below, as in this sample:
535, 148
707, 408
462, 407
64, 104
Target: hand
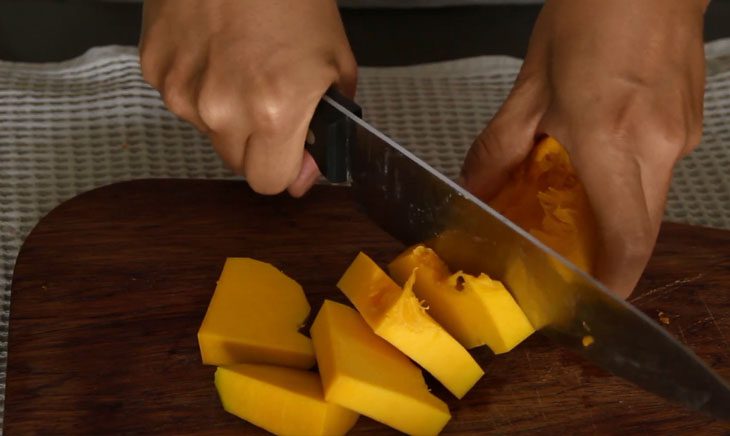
249, 74
620, 84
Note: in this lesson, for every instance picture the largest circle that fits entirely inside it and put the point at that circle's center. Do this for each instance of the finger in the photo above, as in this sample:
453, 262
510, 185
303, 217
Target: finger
181, 89
656, 176
270, 164
155, 58
231, 148
281, 121
308, 176
225, 117
274, 152
155, 62
613, 182
503, 144
347, 79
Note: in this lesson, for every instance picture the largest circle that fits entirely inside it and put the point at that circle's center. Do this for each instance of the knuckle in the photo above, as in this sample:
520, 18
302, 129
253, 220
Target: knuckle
695, 131
674, 130
676, 134
638, 119
215, 110
152, 59
267, 113
349, 67
619, 130
694, 139
266, 117
621, 118
176, 98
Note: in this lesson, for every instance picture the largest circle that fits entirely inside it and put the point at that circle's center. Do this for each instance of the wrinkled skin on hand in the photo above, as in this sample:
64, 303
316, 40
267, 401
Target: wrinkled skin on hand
249, 74
620, 84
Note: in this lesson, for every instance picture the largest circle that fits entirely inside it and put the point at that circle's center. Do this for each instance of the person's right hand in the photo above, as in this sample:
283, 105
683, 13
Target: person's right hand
620, 84
249, 74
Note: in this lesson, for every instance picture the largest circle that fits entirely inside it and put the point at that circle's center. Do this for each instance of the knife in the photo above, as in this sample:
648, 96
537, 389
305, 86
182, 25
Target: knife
416, 204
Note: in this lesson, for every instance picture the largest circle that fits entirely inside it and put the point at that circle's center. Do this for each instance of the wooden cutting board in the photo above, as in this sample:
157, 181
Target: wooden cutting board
110, 288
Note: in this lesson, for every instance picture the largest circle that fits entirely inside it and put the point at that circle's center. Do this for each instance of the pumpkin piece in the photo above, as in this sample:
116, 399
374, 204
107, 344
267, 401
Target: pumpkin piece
396, 315
364, 373
254, 317
283, 401
475, 310
545, 197
538, 307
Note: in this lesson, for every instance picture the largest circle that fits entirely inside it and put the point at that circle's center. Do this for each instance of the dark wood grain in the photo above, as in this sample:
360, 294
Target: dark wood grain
110, 288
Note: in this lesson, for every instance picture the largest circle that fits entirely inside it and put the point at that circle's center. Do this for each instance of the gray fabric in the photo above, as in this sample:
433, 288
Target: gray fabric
72, 126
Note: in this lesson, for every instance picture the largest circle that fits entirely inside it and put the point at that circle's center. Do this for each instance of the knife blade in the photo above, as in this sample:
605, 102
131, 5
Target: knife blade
417, 204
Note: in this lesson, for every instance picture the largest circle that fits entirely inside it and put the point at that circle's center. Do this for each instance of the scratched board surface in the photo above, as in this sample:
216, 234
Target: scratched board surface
110, 289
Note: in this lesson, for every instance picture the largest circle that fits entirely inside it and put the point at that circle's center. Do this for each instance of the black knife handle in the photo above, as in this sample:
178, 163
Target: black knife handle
330, 134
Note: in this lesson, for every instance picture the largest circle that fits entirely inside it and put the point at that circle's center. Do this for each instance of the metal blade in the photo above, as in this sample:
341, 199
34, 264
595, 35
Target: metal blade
415, 203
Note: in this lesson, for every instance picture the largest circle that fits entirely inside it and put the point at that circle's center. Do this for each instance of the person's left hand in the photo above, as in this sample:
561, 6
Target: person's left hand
620, 84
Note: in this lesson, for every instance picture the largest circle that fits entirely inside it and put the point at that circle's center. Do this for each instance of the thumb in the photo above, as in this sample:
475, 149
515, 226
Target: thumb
501, 146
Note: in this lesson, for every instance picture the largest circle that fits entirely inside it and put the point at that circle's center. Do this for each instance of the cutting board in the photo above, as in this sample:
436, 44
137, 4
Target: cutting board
110, 289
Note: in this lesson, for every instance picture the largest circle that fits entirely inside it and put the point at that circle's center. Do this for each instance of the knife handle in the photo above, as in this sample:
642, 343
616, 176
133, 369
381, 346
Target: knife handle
330, 134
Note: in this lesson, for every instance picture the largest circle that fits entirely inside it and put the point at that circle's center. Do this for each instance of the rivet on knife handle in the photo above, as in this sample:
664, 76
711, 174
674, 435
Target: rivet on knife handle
329, 137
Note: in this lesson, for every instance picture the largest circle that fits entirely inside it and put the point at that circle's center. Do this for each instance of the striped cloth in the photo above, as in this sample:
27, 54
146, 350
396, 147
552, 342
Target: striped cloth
71, 126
